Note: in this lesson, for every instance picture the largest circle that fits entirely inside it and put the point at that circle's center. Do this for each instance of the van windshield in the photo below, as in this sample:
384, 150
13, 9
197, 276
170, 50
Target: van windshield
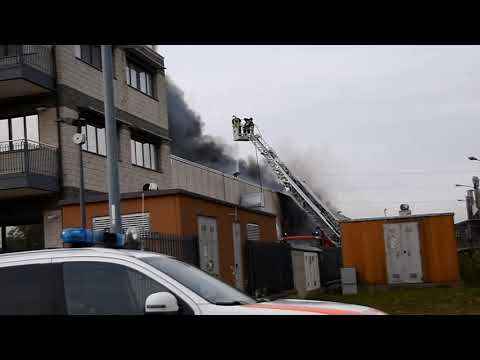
198, 281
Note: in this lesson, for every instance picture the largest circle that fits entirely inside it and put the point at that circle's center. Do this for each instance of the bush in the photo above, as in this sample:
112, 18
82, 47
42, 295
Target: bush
470, 267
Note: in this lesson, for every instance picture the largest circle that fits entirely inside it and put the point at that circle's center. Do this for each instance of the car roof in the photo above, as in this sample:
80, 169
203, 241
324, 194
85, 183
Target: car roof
86, 251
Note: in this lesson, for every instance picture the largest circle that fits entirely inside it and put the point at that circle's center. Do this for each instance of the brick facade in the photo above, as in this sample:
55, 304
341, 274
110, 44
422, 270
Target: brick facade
83, 77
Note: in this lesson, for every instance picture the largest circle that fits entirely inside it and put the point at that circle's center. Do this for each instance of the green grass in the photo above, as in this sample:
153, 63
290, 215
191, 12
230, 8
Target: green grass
440, 300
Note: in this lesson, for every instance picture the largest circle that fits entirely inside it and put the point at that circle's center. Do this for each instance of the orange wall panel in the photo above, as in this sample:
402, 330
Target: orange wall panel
439, 250
163, 213
192, 208
363, 248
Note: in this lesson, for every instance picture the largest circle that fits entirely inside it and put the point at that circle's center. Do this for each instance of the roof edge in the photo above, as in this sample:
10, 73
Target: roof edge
416, 216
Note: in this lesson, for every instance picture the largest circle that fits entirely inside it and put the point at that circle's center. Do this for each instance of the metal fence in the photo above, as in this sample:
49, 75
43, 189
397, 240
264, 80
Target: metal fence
183, 247
36, 56
330, 261
270, 268
20, 156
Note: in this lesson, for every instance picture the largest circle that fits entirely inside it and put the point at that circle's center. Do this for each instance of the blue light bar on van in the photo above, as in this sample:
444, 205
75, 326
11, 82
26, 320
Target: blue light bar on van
78, 236
87, 237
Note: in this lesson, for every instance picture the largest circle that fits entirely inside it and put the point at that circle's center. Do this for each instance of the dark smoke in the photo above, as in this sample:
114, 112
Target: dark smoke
294, 220
191, 143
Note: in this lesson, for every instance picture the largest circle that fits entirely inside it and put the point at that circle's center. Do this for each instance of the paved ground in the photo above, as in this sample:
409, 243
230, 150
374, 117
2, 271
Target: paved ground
458, 299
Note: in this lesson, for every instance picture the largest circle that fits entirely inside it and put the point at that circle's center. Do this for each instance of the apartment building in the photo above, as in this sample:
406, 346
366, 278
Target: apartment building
50, 92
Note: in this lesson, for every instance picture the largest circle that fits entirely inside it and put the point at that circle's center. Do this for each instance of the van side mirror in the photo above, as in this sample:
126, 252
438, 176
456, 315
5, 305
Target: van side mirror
161, 303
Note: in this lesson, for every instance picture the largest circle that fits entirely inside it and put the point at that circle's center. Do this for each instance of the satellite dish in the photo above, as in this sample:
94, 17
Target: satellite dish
78, 138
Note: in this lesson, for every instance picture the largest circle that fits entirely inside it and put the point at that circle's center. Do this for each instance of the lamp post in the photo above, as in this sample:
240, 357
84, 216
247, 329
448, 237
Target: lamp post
111, 139
145, 188
79, 139
473, 158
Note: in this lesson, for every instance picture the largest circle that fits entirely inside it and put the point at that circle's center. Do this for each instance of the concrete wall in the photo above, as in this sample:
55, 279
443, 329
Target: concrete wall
47, 127
200, 179
83, 77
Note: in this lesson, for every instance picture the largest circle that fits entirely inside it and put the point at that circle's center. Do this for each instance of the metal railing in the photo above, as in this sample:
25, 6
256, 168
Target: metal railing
29, 157
36, 56
183, 247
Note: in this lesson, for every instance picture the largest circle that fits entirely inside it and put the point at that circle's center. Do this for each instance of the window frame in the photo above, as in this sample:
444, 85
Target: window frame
132, 64
25, 129
97, 126
89, 59
185, 297
136, 139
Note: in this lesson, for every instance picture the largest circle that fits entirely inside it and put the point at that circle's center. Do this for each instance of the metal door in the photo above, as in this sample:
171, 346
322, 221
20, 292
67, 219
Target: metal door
402, 253
238, 258
393, 252
208, 245
411, 252
312, 273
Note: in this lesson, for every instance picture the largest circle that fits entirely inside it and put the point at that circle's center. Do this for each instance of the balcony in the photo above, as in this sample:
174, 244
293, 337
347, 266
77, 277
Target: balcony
27, 168
26, 70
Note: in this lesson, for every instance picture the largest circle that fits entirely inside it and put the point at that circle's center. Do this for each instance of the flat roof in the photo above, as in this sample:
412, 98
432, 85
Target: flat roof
406, 217
473, 221
159, 193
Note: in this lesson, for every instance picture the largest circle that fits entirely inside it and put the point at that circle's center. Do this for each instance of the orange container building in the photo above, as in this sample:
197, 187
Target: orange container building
401, 249
181, 212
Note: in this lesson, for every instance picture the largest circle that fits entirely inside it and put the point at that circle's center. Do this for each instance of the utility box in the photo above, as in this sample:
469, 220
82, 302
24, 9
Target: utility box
401, 249
349, 281
306, 269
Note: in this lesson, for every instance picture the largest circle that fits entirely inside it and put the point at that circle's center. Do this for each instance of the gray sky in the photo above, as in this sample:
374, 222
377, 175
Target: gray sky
371, 126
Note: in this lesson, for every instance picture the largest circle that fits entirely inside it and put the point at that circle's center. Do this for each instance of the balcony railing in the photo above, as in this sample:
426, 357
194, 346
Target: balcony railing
39, 57
28, 158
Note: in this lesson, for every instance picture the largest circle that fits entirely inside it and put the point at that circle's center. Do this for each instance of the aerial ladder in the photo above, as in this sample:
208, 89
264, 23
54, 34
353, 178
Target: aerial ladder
298, 190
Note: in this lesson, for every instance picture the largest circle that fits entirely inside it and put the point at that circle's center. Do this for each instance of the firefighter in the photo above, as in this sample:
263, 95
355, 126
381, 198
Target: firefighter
236, 123
248, 126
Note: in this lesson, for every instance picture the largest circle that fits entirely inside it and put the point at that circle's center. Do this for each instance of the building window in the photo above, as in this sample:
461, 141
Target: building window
139, 78
12, 132
91, 54
144, 154
95, 136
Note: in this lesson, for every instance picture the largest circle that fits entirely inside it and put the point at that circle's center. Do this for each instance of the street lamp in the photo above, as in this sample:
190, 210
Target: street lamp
145, 188
79, 139
473, 158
